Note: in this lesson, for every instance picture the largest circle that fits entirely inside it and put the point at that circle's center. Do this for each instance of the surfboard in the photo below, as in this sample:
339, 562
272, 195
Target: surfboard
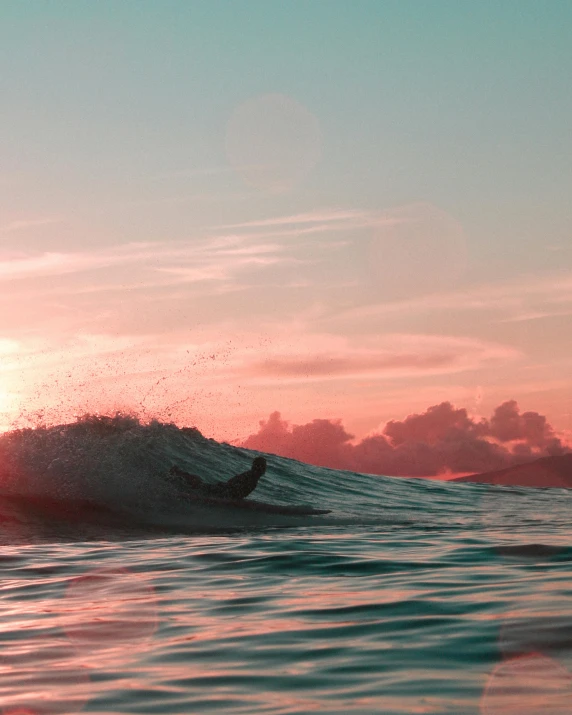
253, 505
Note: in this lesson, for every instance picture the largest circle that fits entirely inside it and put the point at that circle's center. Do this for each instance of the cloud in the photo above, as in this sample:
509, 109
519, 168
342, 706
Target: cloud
433, 426
68, 352
528, 297
321, 366
34, 265
321, 442
332, 217
342, 218
442, 439
24, 224
508, 425
210, 259
297, 258
419, 217
327, 357
537, 315
46, 264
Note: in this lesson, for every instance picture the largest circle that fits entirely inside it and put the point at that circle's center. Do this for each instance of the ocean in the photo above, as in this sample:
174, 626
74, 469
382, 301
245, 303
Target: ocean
411, 596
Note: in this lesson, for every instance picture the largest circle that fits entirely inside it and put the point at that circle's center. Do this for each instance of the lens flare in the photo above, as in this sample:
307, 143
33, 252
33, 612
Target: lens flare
529, 685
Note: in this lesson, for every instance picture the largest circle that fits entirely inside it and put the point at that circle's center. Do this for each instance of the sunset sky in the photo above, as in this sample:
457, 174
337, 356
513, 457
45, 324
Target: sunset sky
214, 211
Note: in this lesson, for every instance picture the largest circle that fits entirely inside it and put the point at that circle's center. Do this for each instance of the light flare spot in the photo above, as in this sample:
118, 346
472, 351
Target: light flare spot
529, 685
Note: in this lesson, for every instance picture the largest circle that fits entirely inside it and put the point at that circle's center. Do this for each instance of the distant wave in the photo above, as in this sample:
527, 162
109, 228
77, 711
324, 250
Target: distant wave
546, 472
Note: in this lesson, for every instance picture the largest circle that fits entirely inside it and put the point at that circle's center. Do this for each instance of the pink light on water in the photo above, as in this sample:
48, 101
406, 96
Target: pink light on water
110, 609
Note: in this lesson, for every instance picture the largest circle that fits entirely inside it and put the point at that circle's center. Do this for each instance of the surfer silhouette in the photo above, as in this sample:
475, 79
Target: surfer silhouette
237, 487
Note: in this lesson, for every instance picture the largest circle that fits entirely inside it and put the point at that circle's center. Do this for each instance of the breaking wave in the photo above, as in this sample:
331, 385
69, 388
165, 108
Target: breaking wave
106, 476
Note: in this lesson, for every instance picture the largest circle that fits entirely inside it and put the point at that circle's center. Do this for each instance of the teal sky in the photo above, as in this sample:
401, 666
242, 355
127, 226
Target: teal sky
114, 131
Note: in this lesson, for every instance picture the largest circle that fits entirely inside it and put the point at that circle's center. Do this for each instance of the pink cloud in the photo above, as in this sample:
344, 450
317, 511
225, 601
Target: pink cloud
508, 425
442, 439
324, 357
328, 366
322, 442
529, 297
324, 216
28, 223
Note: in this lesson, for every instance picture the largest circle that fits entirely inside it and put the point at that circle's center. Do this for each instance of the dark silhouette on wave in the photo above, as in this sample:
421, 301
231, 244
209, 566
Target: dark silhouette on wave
237, 487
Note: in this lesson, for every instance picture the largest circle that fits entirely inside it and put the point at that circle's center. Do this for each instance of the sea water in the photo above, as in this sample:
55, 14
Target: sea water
412, 596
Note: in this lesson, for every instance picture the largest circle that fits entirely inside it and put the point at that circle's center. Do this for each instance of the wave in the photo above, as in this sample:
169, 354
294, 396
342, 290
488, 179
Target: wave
105, 475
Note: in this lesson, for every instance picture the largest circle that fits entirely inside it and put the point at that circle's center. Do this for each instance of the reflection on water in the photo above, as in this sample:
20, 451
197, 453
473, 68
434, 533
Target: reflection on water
108, 609
393, 621
40, 674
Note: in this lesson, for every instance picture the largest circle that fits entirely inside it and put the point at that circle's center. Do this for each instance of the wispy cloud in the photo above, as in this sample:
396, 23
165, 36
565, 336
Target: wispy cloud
393, 356
23, 224
46, 264
338, 218
525, 296
316, 357
60, 263
64, 350
537, 315
320, 216
211, 259
558, 247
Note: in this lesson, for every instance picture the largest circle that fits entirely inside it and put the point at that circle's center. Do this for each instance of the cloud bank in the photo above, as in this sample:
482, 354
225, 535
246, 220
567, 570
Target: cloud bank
443, 439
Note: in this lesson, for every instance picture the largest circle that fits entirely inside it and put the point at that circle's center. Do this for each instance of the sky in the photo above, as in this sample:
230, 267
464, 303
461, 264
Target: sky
213, 212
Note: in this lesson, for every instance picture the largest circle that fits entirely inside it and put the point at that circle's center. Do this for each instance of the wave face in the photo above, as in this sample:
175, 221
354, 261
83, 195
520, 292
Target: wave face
105, 476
